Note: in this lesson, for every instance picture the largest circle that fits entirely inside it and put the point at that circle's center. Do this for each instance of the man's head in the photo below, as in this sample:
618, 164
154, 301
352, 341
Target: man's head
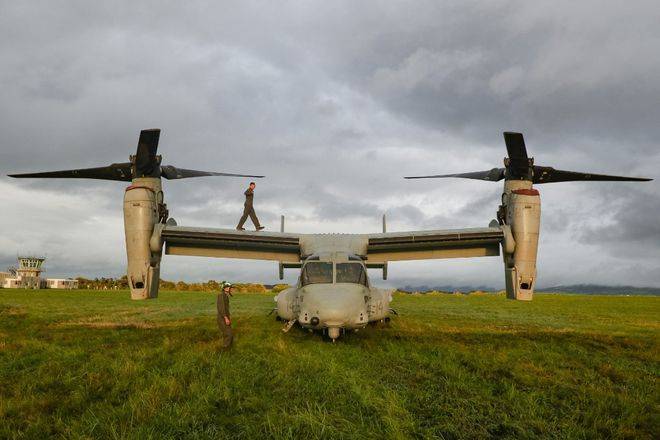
226, 287
252, 185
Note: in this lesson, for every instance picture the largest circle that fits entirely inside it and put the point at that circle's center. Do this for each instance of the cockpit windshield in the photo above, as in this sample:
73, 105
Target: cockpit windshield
351, 273
316, 273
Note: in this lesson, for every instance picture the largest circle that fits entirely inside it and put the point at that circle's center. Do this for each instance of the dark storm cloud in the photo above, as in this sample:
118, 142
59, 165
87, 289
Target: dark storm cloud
334, 102
632, 228
557, 69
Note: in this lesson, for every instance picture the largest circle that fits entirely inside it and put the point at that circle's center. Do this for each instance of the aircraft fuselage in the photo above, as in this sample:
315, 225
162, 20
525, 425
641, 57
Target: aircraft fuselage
333, 293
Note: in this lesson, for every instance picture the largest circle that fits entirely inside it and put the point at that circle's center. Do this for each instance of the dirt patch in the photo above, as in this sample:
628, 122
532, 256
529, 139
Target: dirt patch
122, 324
12, 311
108, 324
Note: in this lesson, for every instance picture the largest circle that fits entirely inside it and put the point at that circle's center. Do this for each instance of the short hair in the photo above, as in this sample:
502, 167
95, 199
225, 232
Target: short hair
252, 183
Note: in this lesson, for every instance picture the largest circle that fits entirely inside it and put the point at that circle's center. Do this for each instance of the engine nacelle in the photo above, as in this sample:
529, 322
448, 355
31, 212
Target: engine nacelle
142, 201
523, 215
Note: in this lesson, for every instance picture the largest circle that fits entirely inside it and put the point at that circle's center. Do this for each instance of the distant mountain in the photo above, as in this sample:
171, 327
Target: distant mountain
447, 288
584, 289
595, 289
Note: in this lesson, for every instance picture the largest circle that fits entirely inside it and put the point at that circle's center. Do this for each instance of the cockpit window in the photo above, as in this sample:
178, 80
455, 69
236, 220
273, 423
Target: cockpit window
351, 273
316, 273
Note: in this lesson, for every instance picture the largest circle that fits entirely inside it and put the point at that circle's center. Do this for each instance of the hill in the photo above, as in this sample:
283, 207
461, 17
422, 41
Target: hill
93, 364
585, 289
595, 289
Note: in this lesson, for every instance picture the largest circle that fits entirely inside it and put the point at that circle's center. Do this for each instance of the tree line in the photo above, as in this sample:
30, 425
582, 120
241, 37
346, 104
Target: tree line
121, 283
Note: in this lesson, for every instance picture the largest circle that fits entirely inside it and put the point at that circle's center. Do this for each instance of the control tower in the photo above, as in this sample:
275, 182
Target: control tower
28, 276
29, 272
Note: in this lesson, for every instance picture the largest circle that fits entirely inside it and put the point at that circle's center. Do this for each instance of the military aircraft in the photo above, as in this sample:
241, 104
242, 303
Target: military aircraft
333, 292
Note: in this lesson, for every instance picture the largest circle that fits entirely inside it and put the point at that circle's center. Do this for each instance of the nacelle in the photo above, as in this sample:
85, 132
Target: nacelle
142, 212
522, 206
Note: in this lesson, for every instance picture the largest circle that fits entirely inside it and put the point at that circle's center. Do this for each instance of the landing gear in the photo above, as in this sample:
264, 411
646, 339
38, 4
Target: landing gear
384, 322
288, 325
333, 333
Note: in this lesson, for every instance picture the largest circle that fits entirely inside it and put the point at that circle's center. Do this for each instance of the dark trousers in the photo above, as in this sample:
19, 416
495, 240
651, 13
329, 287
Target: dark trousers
248, 210
223, 311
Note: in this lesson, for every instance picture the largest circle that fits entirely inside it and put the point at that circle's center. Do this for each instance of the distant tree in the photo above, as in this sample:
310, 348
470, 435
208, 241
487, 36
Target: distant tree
277, 288
212, 285
84, 283
121, 283
167, 285
249, 288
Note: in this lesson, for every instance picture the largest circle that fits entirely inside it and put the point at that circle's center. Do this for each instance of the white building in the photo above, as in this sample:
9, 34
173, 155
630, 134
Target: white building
61, 283
3, 277
28, 276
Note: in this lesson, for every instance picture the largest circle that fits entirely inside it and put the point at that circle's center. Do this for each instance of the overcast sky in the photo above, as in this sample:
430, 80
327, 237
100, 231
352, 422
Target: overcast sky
335, 102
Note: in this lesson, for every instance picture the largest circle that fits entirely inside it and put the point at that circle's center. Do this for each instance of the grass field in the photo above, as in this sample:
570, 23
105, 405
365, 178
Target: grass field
95, 364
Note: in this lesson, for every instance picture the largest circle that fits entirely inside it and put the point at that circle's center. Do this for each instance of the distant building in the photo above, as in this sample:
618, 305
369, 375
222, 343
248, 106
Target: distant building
28, 276
61, 283
29, 272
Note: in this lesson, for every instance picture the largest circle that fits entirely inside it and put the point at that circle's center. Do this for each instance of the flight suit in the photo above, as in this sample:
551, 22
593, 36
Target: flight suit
248, 210
223, 312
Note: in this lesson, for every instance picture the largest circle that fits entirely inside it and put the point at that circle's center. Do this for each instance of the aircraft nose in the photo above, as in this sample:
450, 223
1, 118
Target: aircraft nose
337, 307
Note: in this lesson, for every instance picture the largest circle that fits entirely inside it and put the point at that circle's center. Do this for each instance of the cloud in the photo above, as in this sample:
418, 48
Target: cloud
334, 102
630, 230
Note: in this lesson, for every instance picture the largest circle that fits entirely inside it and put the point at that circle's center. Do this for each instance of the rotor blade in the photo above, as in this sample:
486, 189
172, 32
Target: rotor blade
515, 145
116, 171
518, 165
550, 175
492, 175
171, 172
146, 163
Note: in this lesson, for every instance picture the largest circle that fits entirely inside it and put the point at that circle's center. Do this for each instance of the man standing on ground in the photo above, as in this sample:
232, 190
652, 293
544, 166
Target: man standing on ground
248, 209
224, 318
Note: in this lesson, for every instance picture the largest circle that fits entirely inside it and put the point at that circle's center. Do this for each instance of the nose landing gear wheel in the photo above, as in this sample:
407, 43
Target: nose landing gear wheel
333, 333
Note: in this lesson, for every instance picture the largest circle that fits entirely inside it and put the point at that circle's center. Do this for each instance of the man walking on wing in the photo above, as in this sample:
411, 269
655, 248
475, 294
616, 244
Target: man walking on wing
248, 209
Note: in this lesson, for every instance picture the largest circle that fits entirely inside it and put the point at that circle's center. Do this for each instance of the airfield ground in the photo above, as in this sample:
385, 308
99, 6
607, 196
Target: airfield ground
95, 364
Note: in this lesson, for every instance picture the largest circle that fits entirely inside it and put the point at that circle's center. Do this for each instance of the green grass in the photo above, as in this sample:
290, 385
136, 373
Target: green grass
98, 365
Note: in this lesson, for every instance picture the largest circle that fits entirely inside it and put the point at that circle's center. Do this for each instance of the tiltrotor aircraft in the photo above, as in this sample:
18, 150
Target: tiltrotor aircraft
333, 291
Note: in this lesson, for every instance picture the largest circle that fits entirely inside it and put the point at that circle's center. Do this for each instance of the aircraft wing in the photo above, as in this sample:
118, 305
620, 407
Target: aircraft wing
230, 243
423, 245
288, 248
